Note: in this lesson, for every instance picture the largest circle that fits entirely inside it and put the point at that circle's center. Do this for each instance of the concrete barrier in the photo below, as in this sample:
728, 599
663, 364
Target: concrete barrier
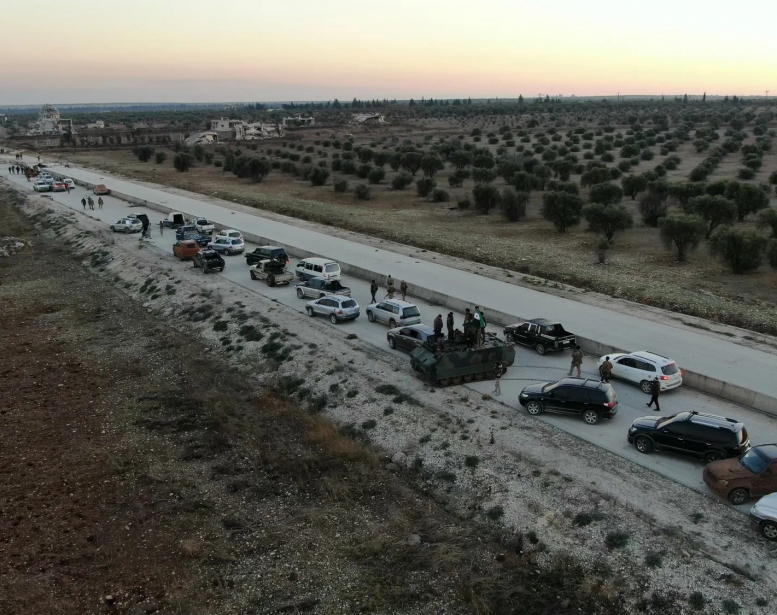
718, 388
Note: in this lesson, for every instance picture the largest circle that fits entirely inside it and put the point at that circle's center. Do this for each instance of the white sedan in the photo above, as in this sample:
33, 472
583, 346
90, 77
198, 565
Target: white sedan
642, 366
69, 182
127, 225
41, 186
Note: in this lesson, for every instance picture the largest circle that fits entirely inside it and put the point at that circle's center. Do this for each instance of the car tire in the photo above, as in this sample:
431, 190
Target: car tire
221, 268
591, 417
738, 496
392, 324
126, 231
540, 348
643, 444
768, 530
509, 338
645, 386
370, 316
300, 294
392, 342
310, 311
534, 408
271, 280
711, 456
333, 319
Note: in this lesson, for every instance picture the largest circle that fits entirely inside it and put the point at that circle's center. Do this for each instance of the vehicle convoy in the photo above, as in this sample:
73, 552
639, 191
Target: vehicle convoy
764, 513
540, 334
263, 252
589, 399
272, 271
705, 436
209, 260
189, 231
752, 474
642, 366
319, 287
174, 219
454, 362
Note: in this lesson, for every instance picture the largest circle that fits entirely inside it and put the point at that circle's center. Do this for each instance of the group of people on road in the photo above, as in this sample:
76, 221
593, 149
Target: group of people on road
391, 289
605, 373
88, 200
15, 169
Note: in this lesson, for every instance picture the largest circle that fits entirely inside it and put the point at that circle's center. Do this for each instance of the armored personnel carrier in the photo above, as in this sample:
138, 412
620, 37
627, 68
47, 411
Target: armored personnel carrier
453, 362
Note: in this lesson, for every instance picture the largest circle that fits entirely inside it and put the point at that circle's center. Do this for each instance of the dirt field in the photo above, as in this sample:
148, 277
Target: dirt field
638, 268
207, 476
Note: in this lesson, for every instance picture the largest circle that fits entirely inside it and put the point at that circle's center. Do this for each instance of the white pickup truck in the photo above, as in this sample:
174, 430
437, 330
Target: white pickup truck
203, 225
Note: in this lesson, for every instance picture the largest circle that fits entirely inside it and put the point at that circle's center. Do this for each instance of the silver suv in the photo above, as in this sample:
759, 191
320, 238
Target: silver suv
336, 307
394, 313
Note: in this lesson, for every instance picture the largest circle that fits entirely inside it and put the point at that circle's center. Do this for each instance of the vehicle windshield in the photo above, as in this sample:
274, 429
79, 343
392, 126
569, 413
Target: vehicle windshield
550, 386
335, 285
202, 221
236, 242
348, 304
671, 419
234, 234
755, 461
211, 256
670, 370
332, 268
410, 312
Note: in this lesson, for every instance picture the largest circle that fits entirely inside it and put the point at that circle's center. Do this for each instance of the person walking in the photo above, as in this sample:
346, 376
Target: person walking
373, 290
577, 361
498, 373
389, 281
90, 201
391, 290
655, 391
605, 371
449, 322
161, 227
99, 202
403, 289
83, 202
438, 327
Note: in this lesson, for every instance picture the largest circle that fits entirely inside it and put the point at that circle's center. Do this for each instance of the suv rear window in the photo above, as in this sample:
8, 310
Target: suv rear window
349, 303
332, 268
670, 370
410, 312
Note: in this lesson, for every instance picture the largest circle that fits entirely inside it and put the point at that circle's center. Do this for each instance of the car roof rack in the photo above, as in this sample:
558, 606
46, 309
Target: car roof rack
713, 420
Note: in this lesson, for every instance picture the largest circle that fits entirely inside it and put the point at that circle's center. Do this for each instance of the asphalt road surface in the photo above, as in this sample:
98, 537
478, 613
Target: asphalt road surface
529, 366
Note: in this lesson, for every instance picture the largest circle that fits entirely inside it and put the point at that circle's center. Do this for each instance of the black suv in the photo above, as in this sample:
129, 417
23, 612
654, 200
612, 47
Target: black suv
265, 252
705, 436
540, 334
589, 399
209, 260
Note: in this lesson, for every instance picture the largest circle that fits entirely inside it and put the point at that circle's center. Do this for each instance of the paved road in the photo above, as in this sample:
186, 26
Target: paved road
710, 356
529, 366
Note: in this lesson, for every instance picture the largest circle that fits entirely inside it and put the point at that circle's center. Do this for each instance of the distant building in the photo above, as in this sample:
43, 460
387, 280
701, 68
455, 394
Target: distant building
298, 121
224, 124
368, 118
208, 137
98, 125
49, 122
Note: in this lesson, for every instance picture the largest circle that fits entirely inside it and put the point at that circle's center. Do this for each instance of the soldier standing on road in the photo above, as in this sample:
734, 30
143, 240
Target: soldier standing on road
438, 327
83, 202
482, 330
389, 281
655, 391
577, 361
373, 290
403, 289
606, 370
477, 325
469, 328
391, 290
449, 322
99, 202
161, 227
498, 373
90, 200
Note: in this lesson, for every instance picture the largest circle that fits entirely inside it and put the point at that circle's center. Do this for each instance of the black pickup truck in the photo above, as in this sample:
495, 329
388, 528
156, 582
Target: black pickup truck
189, 231
542, 335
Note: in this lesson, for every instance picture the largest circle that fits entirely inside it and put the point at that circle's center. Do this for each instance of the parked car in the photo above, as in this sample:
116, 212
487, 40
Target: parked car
185, 249
227, 245
189, 231
319, 287
642, 366
705, 436
100, 189
175, 219
394, 313
591, 400
231, 233
127, 225
317, 268
335, 307
540, 334
266, 252
203, 225
752, 474
209, 260
408, 338
764, 513
58, 187
69, 182
40, 186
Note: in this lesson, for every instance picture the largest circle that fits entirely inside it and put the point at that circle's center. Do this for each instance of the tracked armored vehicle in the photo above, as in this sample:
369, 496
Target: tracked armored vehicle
454, 362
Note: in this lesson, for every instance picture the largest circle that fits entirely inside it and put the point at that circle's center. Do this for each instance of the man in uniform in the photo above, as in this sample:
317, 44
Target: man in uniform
655, 391
403, 289
606, 369
438, 327
373, 290
577, 361
449, 322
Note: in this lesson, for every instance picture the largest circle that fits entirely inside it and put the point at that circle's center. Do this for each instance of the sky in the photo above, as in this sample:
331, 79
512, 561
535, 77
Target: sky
82, 51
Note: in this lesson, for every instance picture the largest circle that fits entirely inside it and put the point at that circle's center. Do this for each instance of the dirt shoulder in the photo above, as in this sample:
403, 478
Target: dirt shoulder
276, 466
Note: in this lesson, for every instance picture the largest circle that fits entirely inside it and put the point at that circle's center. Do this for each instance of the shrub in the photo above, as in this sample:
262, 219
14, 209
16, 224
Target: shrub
402, 181
440, 196
412, 162
697, 601
742, 250
514, 204
471, 461
486, 197
616, 540
653, 560
431, 164
456, 179
337, 164
182, 162
463, 203
596, 175
143, 153
376, 175
363, 192
160, 157
341, 185
562, 209
714, 210
748, 198
606, 194
424, 186
607, 220
681, 232
219, 164
746, 174
767, 221
258, 168
363, 171
731, 607
318, 176
771, 253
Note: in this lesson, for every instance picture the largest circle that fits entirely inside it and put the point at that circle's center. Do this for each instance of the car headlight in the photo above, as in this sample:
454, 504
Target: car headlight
632, 429
724, 483
524, 395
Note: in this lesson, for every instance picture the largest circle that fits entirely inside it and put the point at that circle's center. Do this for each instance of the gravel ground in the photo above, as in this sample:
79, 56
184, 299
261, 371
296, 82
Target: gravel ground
482, 489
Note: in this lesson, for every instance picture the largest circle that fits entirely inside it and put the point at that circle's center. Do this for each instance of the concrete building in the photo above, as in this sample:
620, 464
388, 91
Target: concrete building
298, 121
50, 122
368, 118
98, 125
209, 137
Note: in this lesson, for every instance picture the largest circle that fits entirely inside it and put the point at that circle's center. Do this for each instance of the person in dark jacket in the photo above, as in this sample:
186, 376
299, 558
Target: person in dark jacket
403, 289
373, 290
438, 327
606, 370
655, 391
449, 322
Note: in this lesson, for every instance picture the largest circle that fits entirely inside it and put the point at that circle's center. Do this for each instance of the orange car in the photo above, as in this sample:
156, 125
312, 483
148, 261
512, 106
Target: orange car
185, 249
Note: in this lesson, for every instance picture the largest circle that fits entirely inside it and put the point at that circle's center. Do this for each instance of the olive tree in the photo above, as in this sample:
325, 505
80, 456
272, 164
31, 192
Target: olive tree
514, 204
562, 209
767, 221
681, 232
596, 175
606, 194
412, 162
258, 168
607, 220
182, 162
430, 164
740, 249
486, 197
749, 198
714, 210
634, 184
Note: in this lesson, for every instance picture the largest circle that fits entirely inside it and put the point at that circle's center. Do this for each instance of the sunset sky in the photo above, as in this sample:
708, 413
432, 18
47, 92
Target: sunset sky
79, 51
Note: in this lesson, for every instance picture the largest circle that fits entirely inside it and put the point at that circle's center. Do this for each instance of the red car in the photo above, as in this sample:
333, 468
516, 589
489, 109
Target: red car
185, 249
58, 187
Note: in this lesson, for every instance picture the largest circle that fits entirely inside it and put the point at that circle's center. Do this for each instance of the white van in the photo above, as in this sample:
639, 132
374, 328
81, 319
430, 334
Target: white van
317, 268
